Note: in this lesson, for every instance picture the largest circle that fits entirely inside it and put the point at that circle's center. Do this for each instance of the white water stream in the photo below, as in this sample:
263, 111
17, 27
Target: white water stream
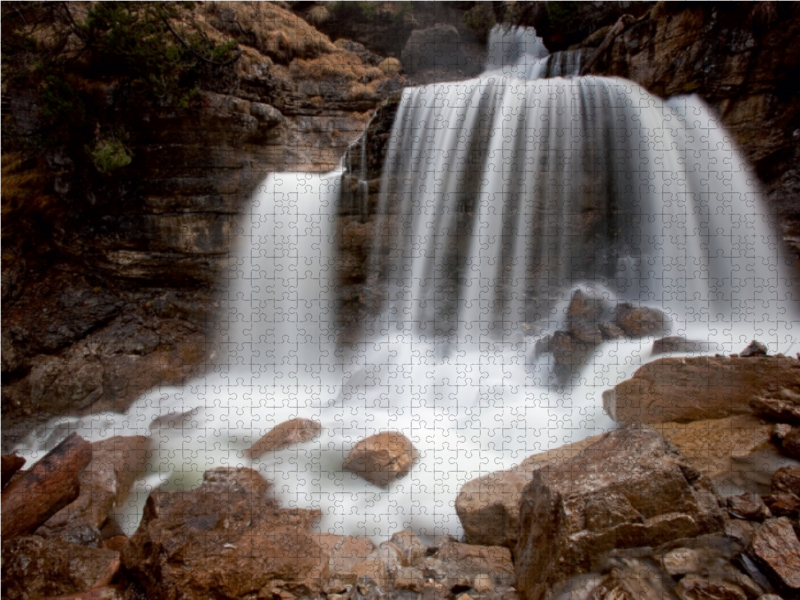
494, 180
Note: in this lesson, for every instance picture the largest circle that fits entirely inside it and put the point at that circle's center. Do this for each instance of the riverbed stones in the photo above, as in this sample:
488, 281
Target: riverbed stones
699, 388
227, 538
777, 549
631, 488
382, 458
786, 480
288, 433
747, 506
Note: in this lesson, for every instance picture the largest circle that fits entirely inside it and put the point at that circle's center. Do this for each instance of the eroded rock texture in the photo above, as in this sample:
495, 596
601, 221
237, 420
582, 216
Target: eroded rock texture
629, 489
225, 539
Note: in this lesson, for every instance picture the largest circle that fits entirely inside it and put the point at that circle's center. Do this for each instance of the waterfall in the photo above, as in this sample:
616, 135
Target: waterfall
504, 194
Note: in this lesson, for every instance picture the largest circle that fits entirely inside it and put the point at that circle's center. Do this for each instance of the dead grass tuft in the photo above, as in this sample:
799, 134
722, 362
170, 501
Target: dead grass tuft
269, 28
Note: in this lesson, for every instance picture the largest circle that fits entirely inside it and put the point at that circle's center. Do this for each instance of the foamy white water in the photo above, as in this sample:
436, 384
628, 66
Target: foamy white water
494, 180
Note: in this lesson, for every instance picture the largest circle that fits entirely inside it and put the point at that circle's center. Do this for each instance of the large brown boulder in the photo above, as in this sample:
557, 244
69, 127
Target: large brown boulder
629, 489
226, 539
734, 452
488, 506
698, 388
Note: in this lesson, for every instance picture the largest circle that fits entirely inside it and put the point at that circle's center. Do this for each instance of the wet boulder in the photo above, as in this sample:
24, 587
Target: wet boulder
777, 549
382, 458
684, 389
629, 489
289, 433
641, 321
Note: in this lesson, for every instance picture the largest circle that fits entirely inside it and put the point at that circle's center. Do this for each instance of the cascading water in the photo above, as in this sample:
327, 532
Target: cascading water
504, 194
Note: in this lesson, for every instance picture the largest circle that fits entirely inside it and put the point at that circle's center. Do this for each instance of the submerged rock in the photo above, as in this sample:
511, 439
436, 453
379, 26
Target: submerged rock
631, 488
295, 431
754, 348
640, 321
382, 458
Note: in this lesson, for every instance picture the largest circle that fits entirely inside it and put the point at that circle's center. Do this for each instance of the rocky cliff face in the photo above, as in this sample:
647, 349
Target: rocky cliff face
110, 288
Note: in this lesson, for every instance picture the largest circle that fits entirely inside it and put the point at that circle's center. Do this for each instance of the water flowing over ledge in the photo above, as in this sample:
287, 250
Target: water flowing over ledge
502, 195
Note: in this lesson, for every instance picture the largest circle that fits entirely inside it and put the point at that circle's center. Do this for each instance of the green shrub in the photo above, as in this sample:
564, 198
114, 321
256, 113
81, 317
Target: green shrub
109, 155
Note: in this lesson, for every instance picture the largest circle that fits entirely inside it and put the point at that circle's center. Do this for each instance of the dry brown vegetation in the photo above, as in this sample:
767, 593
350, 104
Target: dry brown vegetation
25, 190
270, 29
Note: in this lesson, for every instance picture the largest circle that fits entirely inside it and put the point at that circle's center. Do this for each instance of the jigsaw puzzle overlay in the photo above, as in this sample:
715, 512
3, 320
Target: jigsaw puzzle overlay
535, 232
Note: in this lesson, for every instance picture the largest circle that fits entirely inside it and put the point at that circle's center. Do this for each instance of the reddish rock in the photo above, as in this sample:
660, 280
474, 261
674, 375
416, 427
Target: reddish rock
34, 567
295, 431
777, 549
696, 587
225, 539
791, 443
747, 506
115, 465
697, 388
783, 406
735, 451
786, 480
782, 505
631, 488
382, 458
488, 506
344, 553
459, 567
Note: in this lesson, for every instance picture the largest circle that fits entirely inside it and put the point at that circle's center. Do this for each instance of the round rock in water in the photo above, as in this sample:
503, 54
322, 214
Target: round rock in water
288, 433
382, 458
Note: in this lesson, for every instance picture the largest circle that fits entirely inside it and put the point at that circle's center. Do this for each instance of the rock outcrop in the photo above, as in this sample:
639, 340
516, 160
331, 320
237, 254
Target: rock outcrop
631, 488
488, 506
698, 388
